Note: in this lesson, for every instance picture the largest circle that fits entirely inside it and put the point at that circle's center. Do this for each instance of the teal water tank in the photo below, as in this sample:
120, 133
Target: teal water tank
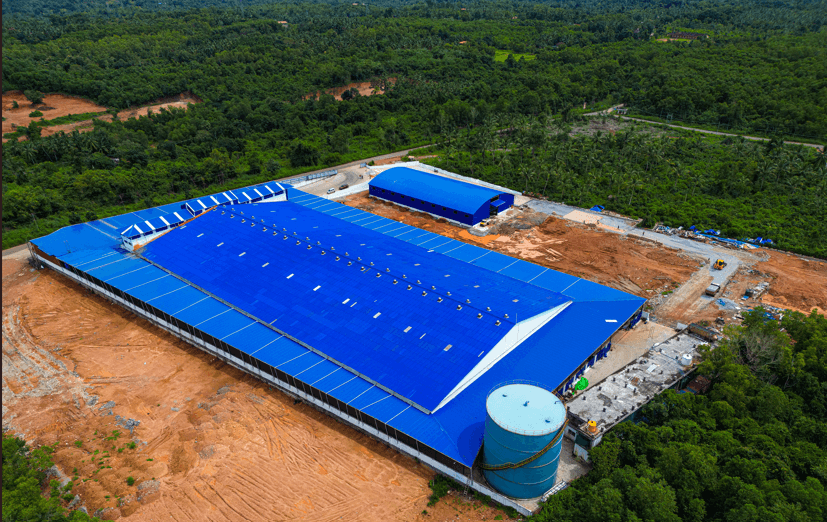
523, 438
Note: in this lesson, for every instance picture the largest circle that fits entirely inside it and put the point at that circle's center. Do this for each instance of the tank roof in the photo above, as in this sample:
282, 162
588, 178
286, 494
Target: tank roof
526, 409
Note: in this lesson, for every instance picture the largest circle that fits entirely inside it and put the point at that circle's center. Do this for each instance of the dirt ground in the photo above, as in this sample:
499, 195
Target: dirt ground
180, 102
631, 264
796, 283
53, 106
56, 105
370, 88
211, 443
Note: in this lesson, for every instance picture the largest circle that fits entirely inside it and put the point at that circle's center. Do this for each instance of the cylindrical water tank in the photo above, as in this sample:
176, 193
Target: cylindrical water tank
523, 439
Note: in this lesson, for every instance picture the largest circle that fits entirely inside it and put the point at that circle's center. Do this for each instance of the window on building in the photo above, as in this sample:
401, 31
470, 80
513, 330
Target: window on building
433, 205
455, 212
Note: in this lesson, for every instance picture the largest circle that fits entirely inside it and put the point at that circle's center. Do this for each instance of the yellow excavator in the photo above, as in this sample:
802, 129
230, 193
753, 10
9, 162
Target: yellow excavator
719, 264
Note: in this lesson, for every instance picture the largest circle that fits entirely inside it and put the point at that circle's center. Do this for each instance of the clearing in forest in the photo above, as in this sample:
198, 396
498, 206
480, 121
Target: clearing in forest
369, 88
59, 106
501, 55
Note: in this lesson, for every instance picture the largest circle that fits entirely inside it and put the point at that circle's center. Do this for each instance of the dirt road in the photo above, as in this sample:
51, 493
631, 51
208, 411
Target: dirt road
703, 131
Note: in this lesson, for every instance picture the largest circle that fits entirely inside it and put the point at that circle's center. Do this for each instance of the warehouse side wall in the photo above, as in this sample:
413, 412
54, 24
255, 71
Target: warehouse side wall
430, 208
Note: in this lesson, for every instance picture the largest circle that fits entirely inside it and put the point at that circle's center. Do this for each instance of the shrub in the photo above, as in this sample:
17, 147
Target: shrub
35, 114
130, 481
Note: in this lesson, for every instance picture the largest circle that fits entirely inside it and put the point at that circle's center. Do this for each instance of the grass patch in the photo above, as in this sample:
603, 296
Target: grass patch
501, 55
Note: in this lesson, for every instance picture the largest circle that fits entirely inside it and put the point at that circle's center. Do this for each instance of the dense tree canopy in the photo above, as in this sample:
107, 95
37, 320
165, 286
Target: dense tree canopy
753, 449
24, 479
762, 69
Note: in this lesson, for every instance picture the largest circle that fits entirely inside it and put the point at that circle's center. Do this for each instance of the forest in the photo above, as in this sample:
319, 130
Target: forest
752, 449
24, 477
745, 189
762, 69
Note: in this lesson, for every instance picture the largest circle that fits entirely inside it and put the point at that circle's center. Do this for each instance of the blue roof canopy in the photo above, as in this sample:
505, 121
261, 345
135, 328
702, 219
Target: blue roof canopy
411, 320
446, 192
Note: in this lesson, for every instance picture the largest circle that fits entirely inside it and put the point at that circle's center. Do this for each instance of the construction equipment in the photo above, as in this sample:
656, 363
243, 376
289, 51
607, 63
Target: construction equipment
719, 264
713, 289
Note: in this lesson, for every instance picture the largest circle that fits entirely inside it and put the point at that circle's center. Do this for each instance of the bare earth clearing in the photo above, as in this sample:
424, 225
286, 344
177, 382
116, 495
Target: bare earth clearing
56, 105
370, 88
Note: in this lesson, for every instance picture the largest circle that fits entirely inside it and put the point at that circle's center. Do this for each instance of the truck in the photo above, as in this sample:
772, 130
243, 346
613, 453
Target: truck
713, 289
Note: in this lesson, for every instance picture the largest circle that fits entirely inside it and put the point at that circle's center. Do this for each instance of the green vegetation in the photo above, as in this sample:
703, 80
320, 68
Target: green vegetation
761, 70
24, 478
754, 448
501, 56
130, 481
743, 188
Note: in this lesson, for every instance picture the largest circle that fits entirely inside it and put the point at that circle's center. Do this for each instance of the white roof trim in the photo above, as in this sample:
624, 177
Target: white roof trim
178, 216
127, 230
228, 197
215, 200
268, 188
518, 333
138, 229
257, 192
164, 220
201, 203
149, 225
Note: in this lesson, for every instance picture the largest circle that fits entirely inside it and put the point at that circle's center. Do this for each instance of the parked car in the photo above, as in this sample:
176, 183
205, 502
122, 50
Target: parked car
331, 191
343, 187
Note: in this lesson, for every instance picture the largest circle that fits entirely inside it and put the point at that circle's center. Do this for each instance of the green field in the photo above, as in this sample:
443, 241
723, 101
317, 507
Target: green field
500, 56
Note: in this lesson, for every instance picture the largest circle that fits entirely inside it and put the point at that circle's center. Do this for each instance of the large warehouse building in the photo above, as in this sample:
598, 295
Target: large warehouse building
400, 332
440, 196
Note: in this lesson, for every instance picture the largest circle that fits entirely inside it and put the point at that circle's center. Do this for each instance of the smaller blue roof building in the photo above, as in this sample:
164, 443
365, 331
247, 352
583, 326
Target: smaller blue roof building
440, 196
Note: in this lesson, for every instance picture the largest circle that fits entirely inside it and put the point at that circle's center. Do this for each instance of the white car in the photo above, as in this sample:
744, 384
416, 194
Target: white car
331, 191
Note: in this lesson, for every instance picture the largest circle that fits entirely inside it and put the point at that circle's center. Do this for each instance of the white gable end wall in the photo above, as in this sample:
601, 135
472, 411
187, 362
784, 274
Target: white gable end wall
518, 333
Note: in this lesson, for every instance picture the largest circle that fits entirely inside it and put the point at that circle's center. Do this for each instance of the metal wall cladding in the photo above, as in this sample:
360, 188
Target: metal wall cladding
529, 481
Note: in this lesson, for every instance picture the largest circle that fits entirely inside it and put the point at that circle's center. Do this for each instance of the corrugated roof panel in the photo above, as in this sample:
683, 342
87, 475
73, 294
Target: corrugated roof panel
522, 270
443, 191
279, 352
554, 280
310, 300
369, 397
226, 324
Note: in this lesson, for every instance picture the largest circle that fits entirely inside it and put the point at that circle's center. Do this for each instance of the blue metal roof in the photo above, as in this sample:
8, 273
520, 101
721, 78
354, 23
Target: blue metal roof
456, 430
413, 321
446, 192
159, 224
